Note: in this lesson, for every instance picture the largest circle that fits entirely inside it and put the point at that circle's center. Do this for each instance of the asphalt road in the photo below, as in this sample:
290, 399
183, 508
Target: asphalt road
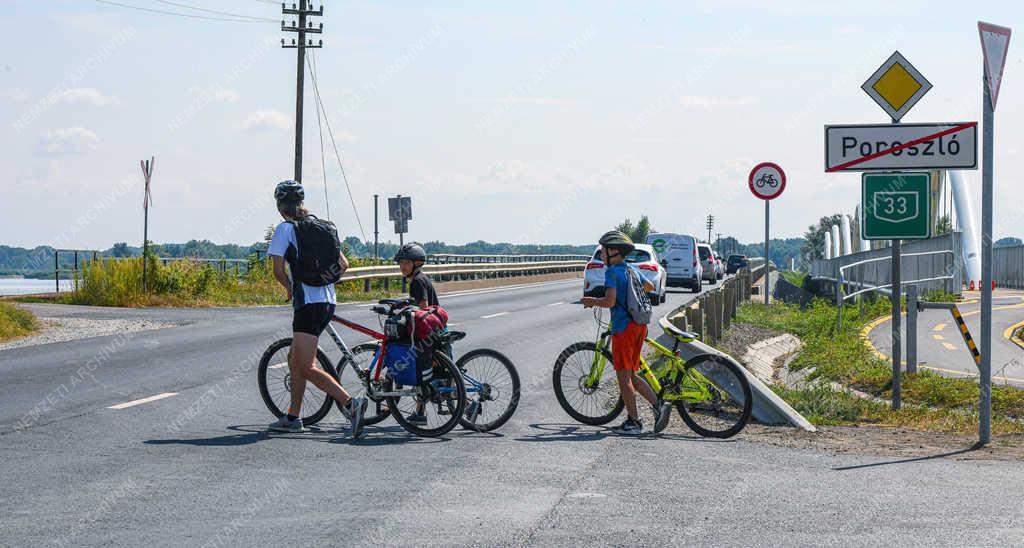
941, 348
199, 468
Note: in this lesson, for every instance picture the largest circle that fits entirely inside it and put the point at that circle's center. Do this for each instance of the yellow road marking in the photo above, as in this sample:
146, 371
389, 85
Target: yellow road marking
948, 346
938, 337
1008, 334
969, 375
939, 327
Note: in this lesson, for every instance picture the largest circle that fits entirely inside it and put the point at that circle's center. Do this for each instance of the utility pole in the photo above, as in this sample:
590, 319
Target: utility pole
710, 224
302, 26
718, 242
147, 173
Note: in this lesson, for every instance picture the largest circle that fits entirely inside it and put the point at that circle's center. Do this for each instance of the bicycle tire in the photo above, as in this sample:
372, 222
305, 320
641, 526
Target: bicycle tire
499, 386
284, 381
455, 403
603, 411
355, 387
693, 413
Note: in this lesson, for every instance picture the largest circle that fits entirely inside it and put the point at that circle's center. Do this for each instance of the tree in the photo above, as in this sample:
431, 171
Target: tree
814, 245
120, 249
1007, 242
637, 232
943, 226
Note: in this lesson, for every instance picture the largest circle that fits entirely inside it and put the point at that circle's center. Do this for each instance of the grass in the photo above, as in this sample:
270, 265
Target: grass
931, 402
15, 322
109, 282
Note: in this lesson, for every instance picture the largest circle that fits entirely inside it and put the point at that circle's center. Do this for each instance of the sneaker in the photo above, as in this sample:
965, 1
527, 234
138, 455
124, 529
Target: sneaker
662, 412
417, 418
629, 427
284, 425
356, 409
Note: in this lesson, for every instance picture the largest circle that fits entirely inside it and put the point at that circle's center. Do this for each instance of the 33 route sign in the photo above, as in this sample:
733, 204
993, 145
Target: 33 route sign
895, 206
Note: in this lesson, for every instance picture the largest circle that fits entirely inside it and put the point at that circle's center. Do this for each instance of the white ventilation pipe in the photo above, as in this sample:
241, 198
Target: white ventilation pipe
836, 251
864, 244
971, 236
844, 226
828, 244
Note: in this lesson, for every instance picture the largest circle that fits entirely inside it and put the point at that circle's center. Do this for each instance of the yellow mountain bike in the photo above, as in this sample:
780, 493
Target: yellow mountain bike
710, 393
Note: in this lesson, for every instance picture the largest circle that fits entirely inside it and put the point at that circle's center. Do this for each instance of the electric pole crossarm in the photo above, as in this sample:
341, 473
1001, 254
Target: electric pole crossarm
303, 11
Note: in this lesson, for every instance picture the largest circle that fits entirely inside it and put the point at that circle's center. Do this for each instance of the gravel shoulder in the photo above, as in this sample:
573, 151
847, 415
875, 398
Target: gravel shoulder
56, 330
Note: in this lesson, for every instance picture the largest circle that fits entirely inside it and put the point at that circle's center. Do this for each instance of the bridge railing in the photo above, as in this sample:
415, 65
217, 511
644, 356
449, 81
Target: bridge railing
1008, 266
449, 258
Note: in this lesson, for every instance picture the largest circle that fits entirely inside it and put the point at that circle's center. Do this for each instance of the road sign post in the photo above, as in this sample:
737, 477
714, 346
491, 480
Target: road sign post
995, 42
766, 182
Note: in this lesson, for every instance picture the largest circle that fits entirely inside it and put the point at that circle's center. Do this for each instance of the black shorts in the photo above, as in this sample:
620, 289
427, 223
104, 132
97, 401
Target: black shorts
312, 318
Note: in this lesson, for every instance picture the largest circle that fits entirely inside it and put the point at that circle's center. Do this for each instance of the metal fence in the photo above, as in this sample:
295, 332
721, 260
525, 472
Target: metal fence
711, 314
938, 257
1008, 266
449, 258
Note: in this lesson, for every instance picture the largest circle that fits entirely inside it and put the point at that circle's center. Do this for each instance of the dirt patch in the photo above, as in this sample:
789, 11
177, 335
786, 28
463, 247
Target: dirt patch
884, 442
742, 335
55, 330
467, 285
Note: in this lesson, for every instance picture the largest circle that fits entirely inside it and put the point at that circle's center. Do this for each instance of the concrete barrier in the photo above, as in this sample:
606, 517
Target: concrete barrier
769, 408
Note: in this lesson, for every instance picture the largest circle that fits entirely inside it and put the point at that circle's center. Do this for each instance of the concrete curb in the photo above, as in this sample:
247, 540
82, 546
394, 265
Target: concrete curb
769, 408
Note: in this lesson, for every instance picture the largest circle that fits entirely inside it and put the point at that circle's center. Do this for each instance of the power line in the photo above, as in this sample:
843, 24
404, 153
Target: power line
180, 5
320, 128
330, 131
189, 15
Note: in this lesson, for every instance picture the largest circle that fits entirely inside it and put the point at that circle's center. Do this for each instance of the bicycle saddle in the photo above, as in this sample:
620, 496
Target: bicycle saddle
393, 303
452, 336
382, 310
680, 335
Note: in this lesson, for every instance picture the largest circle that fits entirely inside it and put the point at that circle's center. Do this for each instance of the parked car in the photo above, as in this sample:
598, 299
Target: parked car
719, 265
678, 253
707, 263
735, 263
643, 257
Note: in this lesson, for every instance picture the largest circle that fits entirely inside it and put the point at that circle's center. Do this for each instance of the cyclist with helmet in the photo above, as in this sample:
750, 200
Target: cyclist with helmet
411, 258
627, 335
314, 308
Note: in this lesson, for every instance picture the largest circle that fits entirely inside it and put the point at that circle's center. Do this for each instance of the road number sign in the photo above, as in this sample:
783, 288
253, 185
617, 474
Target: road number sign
901, 146
767, 181
896, 86
895, 206
400, 208
995, 42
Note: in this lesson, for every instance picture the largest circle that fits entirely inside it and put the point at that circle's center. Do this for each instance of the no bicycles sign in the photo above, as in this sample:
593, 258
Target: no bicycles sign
767, 181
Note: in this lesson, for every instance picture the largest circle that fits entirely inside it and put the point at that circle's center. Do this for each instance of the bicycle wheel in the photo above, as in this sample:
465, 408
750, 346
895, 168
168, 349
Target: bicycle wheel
275, 383
442, 400
352, 377
595, 405
492, 386
712, 395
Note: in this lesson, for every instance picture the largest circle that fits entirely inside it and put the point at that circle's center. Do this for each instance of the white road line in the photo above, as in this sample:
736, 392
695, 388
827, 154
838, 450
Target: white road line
493, 315
133, 403
453, 324
556, 304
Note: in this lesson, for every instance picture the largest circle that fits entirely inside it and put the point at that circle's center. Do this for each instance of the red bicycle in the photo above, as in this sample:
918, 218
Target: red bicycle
437, 405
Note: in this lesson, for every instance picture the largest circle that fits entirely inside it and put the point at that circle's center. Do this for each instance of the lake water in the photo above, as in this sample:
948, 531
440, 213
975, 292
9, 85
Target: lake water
25, 286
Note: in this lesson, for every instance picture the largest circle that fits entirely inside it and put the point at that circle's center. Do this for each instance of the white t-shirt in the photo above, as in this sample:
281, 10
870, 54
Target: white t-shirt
284, 241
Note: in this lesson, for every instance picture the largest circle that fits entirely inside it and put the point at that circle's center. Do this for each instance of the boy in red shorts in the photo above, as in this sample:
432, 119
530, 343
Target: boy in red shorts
627, 335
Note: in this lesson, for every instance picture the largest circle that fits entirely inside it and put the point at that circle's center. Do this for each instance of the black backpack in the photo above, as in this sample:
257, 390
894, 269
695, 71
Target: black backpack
319, 252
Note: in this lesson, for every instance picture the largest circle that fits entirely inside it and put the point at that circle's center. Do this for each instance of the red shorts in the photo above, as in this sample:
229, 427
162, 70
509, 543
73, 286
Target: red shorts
626, 347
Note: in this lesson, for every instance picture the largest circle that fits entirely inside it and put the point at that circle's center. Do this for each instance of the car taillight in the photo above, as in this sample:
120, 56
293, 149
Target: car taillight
695, 257
594, 265
648, 267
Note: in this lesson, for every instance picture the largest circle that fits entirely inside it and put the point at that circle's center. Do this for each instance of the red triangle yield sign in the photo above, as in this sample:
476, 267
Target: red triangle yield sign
995, 42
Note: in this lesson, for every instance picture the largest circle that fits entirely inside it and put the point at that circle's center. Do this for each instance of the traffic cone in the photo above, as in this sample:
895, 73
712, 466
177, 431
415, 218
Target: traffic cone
993, 285
971, 288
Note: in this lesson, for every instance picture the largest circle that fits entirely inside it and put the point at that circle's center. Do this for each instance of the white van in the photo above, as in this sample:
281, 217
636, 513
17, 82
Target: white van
678, 254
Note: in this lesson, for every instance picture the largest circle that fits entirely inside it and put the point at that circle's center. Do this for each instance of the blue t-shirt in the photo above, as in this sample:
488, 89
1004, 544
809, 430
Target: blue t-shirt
616, 276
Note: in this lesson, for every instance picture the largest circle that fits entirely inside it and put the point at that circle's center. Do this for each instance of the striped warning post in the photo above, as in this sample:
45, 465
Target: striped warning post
967, 335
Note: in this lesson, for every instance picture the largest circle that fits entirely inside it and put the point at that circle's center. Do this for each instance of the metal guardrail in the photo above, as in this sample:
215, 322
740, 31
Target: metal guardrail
936, 271
454, 269
449, 258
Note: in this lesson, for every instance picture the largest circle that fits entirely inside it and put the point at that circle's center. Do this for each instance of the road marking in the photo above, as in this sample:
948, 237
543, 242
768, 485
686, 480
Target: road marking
452, 324
556, 304
938, 337
948, 346
133, 403
939, 327
1008, 334
278, 365
489, 316
970, 375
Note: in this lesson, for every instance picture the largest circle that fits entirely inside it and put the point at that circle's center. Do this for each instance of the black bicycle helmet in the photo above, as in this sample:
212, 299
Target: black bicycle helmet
413, 252
616, 239
289, 192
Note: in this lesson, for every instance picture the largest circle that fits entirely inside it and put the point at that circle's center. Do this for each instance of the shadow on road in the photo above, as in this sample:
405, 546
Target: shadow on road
578, 432
906, 461
249, 434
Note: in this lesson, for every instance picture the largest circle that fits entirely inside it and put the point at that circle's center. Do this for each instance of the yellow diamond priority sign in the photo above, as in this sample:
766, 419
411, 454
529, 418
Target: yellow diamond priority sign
896, 86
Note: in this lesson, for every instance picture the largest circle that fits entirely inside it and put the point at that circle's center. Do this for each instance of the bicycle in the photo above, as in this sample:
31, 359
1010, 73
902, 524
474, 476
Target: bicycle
710, 393
767, 179
442, 399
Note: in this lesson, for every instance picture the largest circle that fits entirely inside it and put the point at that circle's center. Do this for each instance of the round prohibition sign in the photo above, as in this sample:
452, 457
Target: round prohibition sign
767, 181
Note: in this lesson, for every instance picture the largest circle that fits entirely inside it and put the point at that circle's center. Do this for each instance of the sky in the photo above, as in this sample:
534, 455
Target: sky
527, 122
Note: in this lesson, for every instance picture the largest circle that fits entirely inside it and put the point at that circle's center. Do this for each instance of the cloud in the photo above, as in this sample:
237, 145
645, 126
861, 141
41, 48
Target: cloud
90, 96
711, 102
15, 95
214, 93
547, 101
267, 120
66, 141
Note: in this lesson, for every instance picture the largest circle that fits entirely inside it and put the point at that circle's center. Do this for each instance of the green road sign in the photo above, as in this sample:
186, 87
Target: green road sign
895, 206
